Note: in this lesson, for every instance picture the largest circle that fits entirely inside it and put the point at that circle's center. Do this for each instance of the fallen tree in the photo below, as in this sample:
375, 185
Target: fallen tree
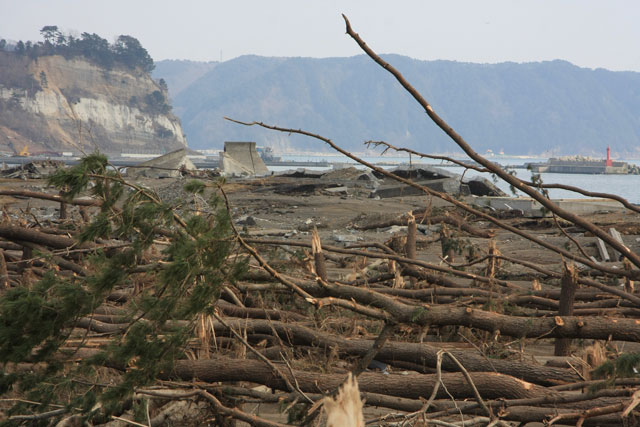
167, 306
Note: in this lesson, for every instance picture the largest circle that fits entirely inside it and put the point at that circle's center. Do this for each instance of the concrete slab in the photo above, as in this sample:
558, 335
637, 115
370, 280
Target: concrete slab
166, 166
532, 208
602, 250
337, 190
242, 159
443, 185
616, 235
419, 173
479, 186
301, 173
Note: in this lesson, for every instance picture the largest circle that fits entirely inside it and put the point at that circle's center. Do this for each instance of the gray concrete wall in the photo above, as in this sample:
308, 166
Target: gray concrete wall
242, 158
164, 166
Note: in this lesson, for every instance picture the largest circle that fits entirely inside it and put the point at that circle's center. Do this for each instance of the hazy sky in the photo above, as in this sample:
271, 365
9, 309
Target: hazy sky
588, 33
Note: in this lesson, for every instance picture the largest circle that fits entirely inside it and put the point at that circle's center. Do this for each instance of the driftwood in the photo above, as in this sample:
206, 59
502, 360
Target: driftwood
20, 234
421, 218
413, 386
47, 196
420, 354
455, 343
453, 299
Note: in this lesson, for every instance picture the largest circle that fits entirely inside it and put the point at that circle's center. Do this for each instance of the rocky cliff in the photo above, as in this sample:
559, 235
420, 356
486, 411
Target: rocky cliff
51, 103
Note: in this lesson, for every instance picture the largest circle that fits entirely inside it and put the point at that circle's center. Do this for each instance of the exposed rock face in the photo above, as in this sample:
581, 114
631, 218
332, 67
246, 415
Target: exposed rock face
54, 104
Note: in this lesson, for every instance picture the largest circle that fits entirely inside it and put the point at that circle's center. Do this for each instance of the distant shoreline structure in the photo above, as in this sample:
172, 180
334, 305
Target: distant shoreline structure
209, 159
584, 165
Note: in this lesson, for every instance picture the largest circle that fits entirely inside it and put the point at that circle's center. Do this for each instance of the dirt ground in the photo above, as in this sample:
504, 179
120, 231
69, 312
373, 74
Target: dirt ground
335, 216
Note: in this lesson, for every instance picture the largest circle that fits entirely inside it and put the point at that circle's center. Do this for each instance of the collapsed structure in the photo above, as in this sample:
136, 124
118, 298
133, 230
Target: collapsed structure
242, 159
169, 165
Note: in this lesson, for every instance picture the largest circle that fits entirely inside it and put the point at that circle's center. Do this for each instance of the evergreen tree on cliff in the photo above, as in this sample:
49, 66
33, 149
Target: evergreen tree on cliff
126, 50
131, 53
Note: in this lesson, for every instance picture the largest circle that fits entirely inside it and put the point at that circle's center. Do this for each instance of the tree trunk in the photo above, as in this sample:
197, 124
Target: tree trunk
567, 297
514, 326
417, 353
318, 256
47, 196
16, 234
413, 386
410, 245
4, 274
63, 206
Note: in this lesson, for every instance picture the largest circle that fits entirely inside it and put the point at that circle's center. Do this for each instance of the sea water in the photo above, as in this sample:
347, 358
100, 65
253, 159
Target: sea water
626, 186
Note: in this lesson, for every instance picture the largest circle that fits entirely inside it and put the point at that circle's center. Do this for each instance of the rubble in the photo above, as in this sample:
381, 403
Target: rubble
357, 182
304, 188
419, 173
37, 169
175, 195
479, 186
302, 173
247, 220
443, 185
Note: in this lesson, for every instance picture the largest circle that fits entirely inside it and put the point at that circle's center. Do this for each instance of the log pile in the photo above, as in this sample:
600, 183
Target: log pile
448, 343
482, 338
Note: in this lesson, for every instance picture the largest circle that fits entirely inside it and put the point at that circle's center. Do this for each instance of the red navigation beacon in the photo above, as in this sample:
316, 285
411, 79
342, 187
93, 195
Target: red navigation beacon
609, 161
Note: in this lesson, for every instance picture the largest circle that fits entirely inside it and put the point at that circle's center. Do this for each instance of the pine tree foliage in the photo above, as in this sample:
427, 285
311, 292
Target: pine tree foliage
125, 50
624, 366
37, 322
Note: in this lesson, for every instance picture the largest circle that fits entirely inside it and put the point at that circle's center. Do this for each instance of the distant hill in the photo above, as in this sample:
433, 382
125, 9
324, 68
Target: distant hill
179, 74
549, 107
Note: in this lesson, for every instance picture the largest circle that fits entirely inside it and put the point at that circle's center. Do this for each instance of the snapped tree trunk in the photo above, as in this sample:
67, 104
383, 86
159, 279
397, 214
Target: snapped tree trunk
567, 297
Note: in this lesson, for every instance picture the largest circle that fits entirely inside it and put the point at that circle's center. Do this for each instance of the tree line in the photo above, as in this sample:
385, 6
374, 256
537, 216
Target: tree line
126, 50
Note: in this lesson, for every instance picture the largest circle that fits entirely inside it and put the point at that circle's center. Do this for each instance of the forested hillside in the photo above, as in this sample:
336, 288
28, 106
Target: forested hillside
180, 74
549, 107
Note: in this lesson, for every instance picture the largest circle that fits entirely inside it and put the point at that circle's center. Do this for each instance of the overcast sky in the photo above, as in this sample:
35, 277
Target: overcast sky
588, 33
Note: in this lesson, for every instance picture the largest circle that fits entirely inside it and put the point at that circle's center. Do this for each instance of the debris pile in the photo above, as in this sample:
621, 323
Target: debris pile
38, 169
358, 182
410, 303
453, 316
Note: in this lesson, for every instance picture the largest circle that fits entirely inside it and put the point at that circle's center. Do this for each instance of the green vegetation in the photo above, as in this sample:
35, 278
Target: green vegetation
157, 102
624, 366
37, 321
126, 51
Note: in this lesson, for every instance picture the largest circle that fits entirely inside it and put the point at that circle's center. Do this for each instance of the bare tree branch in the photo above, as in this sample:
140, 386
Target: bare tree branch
510, 179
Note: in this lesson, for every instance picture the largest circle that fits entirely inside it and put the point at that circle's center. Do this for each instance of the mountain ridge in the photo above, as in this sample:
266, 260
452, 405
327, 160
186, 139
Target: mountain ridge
550, 107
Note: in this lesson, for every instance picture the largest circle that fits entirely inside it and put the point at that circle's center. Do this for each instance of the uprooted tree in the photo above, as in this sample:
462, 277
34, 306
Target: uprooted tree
146, 311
